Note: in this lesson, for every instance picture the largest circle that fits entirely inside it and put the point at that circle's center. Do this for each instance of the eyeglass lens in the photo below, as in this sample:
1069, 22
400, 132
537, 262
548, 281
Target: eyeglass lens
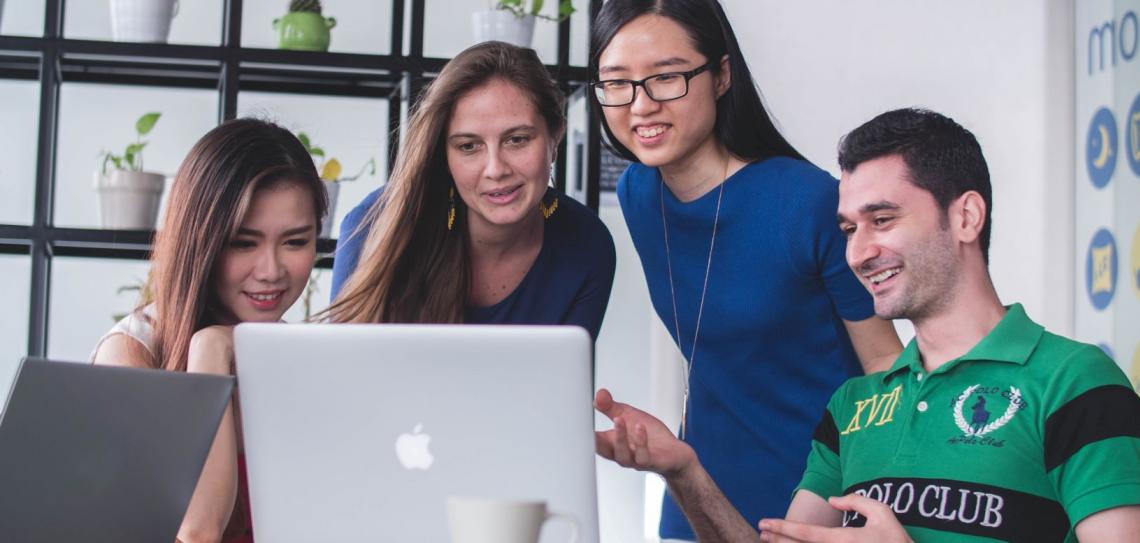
661, 87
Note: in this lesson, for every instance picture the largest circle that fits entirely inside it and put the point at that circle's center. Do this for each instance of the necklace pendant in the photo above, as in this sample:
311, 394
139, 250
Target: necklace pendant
684, 413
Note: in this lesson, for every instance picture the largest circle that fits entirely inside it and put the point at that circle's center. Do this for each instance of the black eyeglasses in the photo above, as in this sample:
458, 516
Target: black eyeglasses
659, 88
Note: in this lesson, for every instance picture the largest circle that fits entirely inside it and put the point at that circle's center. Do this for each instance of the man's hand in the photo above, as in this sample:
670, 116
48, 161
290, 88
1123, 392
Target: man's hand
881, 527
640, 441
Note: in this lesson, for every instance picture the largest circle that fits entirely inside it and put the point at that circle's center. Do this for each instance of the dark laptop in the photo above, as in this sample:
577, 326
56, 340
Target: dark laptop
98, 453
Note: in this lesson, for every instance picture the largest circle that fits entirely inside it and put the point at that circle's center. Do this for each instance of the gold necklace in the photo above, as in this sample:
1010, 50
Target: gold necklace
704, 290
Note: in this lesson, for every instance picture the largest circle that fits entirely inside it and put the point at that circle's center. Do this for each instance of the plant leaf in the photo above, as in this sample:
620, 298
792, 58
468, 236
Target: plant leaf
331, 171
369, 167
536, 6
135, 148
565, 9
304, 138
317, 151
510, 3
146, 122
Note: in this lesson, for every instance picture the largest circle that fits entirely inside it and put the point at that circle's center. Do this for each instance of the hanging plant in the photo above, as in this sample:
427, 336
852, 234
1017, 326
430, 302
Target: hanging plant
519, 8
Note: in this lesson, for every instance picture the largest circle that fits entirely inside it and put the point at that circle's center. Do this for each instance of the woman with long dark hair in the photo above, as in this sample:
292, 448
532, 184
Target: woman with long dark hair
737, 237
467, 228
237, 244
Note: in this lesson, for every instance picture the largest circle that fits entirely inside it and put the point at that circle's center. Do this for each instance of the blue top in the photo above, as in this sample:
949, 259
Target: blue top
569, 282
772, 346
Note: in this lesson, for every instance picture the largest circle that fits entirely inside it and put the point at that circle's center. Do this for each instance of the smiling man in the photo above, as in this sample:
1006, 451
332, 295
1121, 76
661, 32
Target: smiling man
987, 427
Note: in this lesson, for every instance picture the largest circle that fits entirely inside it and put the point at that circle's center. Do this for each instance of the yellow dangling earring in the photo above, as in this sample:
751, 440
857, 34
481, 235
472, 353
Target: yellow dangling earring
450, 208
548, 209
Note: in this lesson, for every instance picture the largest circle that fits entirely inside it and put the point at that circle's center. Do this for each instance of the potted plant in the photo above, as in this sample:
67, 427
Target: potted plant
303, 28
144, 295
512, 21
142, 20
330, 171
128, 196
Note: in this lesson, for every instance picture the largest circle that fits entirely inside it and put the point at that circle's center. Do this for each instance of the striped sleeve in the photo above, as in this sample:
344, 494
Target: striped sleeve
823, 475
1092, 436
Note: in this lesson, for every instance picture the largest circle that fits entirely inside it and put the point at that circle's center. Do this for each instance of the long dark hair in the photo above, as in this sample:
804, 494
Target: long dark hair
743, 126
412, 267
210, 196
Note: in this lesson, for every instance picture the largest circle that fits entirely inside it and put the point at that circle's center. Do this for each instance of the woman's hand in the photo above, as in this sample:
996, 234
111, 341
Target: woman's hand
212, 351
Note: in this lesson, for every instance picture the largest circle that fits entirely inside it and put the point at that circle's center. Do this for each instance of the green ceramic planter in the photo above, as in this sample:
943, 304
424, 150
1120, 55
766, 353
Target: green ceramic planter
304, 31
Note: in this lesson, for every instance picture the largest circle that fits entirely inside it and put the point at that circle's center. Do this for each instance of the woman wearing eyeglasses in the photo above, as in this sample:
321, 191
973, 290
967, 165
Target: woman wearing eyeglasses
737, 237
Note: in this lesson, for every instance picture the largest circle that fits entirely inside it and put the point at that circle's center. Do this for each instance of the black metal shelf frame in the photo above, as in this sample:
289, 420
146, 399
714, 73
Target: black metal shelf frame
227, 68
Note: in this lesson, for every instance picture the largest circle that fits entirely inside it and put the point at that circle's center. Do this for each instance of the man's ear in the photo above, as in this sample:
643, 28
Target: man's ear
967, 215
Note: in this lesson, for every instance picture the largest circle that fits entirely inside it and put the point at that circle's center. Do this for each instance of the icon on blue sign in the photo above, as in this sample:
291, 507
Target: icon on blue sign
1100, 148
1100, 269
1134, 269
1132, 135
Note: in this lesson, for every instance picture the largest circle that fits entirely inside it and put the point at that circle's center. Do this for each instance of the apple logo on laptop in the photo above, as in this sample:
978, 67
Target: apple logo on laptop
412, 449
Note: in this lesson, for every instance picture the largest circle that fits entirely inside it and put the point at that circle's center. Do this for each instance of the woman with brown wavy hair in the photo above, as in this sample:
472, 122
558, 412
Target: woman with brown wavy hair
237, 244
468, 229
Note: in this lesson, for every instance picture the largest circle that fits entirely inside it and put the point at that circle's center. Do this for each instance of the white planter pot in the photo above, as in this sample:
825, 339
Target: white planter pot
333, 190
500, 25
142, 20
129, 200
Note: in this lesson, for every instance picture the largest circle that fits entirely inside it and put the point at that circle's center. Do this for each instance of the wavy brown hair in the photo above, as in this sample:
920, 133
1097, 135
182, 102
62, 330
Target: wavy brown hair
208, 200
413, 269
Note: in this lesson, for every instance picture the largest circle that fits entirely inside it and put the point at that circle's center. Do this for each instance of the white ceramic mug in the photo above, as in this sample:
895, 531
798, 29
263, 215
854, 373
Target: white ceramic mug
485, 520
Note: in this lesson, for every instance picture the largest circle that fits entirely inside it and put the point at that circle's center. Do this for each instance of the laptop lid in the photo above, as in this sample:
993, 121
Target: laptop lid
362, 432
99, 453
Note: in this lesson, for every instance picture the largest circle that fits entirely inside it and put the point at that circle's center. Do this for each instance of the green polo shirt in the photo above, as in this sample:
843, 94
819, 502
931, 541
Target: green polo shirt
1019, 439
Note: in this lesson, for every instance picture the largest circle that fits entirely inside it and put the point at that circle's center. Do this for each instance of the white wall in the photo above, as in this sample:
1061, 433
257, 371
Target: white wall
1001, 69
15, 276
623, 366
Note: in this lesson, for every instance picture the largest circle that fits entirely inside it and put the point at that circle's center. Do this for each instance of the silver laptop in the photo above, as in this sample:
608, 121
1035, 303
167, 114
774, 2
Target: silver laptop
361, 432
98, 453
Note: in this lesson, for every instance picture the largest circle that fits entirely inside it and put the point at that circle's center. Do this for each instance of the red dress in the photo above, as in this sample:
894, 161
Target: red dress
240, 528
